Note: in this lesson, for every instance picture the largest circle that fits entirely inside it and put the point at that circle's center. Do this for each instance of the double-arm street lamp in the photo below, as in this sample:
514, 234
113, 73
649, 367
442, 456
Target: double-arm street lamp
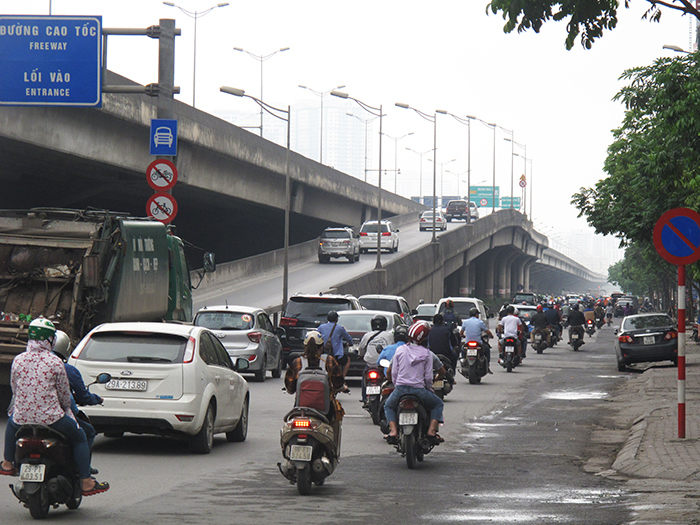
377, 112
512, 154
261, 59
195, 15
420, 180
442, 176
396, 156
366, 122
285, 115
321, 94
430, 118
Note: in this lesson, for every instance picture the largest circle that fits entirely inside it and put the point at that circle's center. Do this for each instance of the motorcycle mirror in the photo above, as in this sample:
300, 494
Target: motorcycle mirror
103, 378
385, 363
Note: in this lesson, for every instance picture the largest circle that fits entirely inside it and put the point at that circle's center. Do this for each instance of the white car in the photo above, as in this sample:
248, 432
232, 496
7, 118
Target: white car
426, 221
368, 236
167, 379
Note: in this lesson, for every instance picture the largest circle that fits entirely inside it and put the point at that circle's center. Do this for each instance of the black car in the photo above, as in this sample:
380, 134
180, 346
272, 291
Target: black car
305, 313
646, 338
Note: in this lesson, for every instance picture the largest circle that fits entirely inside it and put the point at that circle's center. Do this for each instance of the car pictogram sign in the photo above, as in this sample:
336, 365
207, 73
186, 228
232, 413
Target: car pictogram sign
161, 175
162, 207
677, 236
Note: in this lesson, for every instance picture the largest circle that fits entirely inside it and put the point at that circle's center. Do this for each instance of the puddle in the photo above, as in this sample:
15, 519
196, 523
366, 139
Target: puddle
574, 396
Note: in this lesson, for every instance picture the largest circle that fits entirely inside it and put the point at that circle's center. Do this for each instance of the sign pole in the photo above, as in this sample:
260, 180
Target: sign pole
681, 351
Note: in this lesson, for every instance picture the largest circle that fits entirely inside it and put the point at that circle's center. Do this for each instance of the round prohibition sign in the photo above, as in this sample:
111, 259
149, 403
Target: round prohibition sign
483, 202
162, 207
161, 175
523, 183
677, 236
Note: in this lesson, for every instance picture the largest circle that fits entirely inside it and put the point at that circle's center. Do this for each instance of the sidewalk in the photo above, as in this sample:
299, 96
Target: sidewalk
653, 449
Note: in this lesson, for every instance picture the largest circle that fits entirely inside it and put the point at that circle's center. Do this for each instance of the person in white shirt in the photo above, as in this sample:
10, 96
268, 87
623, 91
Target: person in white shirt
510, 326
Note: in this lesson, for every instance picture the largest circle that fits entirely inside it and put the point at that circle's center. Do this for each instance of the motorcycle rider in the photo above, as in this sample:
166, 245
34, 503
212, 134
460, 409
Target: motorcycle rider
609, 310
473, 329
411, 371
510, 326
442, 339
450, 316
553, 320
576, 318
598, 311
401, 338
313, 352
41, 395
336, 334
372, 343
539, 320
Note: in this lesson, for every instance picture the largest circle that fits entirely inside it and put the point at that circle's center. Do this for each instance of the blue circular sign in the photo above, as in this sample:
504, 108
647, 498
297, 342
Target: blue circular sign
677, 236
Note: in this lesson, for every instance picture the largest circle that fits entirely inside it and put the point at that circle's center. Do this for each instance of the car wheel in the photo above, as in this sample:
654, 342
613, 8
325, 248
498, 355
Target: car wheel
277, 371
320, 260
239, 433
357, 256
203, 441
351, 258
621, 366
396, 248
260, 374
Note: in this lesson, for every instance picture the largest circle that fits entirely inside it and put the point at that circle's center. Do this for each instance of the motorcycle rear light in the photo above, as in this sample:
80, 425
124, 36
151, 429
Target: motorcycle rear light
373, 374
189, 350
589, 321
472, 344
301, 423
35, 456
408, 403
33, 442
671, 335
288, 321
255, 337
625, 339
302, 437
184, 418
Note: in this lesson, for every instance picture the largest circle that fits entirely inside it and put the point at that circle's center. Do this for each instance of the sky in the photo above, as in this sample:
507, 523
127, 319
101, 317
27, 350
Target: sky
445, 55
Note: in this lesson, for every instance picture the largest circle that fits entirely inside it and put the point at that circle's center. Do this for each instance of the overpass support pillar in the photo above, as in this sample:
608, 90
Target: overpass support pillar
484, 275
518, 274
526, 274
465, 284
504, 277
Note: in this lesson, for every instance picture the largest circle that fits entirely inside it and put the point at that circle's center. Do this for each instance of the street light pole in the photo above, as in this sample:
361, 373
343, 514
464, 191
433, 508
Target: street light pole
365, 121
195, 15
420, 180
430, 118
512, 144
376, 112
261, 59
321, 94
287, 182
396, 156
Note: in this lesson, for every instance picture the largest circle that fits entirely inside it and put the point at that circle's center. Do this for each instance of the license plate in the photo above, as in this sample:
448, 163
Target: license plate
574, 337
127, 384
374, 390
31, 472
438, 384
649, 340
472, 352
301, 453
510, 349
538, 337
408, 418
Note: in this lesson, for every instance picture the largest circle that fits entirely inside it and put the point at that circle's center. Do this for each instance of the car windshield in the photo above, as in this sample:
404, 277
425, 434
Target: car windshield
523, 297
461, 307
313, 308
372, 228
336, 234
387, 305
426, 309
360, 323
134, 347
224, 320
647, 321
526, 313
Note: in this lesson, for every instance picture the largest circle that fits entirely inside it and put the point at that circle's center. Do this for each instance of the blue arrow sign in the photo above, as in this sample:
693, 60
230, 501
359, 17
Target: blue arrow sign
51, 60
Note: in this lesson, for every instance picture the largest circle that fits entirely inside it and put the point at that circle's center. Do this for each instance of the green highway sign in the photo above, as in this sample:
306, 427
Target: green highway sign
483, 195
505, 202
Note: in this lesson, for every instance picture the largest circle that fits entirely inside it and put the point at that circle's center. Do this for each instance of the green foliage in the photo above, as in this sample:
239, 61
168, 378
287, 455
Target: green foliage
587, 18
641, 271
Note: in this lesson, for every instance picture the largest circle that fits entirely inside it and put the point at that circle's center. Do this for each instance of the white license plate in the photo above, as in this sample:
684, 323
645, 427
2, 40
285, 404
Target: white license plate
408, 418
438, 384
374, 390
472, 352
574, 337
301, 453
538, 337
649, 339
31, 472
510, 349
127, 384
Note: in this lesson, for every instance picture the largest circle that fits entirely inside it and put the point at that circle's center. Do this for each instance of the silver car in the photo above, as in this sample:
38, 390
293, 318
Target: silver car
338, 242
389, 236
246, 332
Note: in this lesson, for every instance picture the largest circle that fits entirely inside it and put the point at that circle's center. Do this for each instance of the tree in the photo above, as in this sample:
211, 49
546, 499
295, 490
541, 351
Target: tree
642, 272
588, 18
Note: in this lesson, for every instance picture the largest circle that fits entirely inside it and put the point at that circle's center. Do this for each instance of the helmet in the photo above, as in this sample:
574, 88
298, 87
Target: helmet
379, 322
401, 333
474, 312
539, 308
449, 304
313, 336
41, 329
61, 345
418, 332
332, 316
575, 307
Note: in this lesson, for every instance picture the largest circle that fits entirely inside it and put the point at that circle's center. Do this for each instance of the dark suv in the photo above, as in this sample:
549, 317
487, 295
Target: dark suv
305, 313
457, 210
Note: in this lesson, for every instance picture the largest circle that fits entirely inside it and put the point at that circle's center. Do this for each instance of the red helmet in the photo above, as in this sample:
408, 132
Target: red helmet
418, 332
540, 308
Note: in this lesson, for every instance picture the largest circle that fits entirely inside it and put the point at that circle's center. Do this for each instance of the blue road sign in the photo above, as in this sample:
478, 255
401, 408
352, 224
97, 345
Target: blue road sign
677, 236
163, 137
51, 60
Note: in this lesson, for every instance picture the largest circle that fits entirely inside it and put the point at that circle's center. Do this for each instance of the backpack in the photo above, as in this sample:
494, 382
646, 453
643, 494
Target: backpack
313, 387
328, 345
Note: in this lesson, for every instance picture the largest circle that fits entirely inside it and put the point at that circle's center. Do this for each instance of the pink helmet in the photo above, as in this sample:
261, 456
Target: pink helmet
418, 332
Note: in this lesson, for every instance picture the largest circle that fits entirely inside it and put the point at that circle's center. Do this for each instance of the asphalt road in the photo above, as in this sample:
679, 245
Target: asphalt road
514, 451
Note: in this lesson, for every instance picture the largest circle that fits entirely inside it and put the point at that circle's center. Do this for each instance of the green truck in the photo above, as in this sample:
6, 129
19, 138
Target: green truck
81, 268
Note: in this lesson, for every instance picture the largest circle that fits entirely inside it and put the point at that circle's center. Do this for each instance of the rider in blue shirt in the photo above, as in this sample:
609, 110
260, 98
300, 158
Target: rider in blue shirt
337, 334
472, 330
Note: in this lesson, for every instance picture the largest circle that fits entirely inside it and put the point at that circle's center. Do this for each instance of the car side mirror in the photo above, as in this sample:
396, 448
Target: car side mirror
280, 332
397, 230
209, 262
242, 364
414, 312
615, 331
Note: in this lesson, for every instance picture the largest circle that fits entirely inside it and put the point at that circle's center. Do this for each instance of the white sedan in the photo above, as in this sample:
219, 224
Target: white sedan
426, 221
167, 379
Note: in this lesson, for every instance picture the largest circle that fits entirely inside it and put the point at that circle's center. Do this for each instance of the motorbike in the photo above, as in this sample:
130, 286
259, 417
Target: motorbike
555, 334
608, 318
444, 386
373, 378
413, 423
510, 358
599, 322
48, 475
310, 447
577, 334
539, 340
473, 365
590, 327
